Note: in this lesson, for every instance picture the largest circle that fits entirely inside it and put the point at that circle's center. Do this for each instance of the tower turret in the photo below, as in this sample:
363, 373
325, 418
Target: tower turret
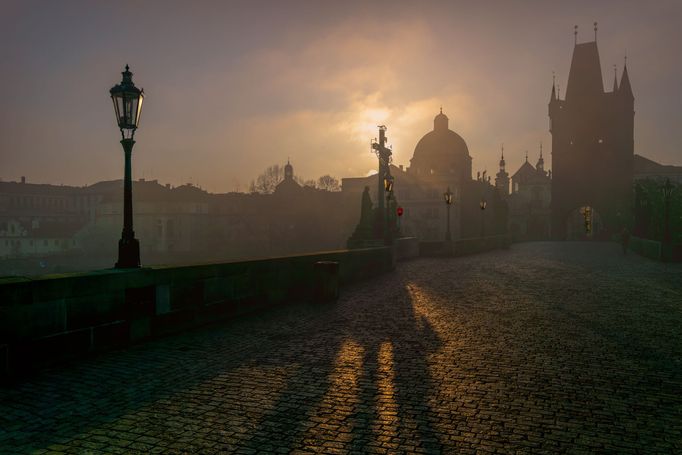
540, 166
625, 87
288, 171
440, 122
502, 177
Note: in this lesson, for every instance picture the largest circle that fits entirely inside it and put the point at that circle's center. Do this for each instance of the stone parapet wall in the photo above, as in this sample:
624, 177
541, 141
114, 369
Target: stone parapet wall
52, 318
406, 248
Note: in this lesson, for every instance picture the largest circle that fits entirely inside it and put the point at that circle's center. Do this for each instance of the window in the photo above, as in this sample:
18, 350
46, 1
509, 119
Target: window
601, 141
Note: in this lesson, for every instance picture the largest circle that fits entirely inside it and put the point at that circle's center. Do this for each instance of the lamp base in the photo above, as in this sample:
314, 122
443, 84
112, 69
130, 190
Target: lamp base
128, 254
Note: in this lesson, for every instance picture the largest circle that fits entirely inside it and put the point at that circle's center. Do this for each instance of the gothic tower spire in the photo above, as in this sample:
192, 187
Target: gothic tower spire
625, 87
553, 95
502, 162
502, 177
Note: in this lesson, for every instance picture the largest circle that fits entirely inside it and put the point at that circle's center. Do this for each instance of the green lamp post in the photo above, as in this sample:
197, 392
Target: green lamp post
127, 106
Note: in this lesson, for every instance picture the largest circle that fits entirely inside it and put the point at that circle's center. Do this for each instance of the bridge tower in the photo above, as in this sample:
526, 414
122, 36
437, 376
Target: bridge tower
592, 145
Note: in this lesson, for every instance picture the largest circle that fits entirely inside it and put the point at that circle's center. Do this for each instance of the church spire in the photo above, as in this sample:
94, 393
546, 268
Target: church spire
615, 79
502, 178
553, 96
288, 171
502, 162
541, 162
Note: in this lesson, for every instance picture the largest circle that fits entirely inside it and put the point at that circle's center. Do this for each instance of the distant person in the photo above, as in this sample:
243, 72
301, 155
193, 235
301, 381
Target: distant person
625, 239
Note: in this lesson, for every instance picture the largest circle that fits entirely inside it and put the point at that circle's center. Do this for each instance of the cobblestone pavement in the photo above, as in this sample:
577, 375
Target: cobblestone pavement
543, 348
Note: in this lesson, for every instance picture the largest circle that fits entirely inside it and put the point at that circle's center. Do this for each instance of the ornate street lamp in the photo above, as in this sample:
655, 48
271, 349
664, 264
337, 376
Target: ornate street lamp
448, 201
483, 204
388, 183
127, 106
667, 194
388, 186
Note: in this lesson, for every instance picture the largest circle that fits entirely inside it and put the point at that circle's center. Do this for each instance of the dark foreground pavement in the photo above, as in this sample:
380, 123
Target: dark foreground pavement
543, 348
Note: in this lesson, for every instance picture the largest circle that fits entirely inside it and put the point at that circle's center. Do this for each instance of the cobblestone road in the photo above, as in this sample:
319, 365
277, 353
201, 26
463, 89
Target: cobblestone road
543, 348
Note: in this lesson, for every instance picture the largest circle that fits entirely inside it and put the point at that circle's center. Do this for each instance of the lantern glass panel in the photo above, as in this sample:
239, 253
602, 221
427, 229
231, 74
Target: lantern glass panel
131, 110
139, 110
118, 108
128, 116
113, 100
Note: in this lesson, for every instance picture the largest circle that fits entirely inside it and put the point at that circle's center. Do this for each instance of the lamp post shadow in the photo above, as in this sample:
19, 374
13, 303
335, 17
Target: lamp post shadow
375, 388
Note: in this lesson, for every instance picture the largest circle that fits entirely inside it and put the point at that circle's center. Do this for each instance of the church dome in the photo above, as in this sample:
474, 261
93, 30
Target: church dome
441, 151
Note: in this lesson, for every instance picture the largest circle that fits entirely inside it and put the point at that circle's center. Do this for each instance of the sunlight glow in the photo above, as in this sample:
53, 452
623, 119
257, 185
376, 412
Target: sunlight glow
388, 420
341, 399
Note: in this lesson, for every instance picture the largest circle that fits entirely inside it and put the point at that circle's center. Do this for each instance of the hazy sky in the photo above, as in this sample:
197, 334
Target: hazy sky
233, 87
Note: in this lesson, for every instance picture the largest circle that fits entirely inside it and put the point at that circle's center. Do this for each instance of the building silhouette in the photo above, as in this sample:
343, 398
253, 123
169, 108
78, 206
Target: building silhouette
441, 160
529, 201
592, 146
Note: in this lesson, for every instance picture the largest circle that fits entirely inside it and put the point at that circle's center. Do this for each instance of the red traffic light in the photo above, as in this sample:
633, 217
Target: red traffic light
400, 211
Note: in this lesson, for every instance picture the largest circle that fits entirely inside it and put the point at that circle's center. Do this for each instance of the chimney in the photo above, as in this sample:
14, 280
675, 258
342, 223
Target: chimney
23, 179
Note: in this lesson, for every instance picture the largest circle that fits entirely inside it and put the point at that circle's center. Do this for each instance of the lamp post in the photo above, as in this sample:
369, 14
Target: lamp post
448, 202
667, 194
127, 106
483, 205
388, 186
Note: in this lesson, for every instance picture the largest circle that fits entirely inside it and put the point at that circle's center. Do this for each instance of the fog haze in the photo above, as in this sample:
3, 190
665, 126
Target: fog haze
233, 87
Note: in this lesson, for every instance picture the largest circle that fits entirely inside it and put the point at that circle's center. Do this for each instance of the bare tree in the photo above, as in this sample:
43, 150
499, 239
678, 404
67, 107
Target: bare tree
305, 182
328, 183
266, 182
